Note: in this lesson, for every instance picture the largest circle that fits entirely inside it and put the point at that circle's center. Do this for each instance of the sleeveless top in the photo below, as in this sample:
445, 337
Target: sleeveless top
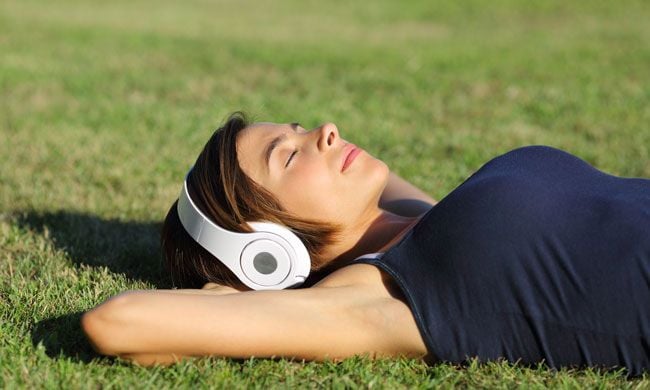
536, 257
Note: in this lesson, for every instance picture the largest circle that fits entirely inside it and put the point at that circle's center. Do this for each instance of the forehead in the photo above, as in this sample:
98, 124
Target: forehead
256, 136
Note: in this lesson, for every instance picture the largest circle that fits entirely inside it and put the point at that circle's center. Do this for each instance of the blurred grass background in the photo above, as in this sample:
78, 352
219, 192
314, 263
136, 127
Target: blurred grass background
105, 105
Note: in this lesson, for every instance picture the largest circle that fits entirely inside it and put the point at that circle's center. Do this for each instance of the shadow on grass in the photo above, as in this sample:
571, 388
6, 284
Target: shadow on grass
129, 248
62, 336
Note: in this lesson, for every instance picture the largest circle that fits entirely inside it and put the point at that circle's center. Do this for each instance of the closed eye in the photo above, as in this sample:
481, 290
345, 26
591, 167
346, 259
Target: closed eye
297, 127
291, 158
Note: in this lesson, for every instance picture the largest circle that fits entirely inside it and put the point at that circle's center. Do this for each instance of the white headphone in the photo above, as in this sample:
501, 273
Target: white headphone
271, 258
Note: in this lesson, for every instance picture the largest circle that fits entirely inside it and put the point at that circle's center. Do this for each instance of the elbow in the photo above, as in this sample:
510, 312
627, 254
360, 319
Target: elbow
107, 325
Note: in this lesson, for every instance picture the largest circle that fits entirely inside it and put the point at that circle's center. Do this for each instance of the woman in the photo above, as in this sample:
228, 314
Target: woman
536, 257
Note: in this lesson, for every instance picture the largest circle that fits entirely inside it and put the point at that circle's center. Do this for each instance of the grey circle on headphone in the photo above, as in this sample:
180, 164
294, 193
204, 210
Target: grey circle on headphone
265, 263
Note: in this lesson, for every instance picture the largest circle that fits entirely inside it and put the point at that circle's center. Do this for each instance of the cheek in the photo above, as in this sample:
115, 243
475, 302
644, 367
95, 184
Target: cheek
309, 193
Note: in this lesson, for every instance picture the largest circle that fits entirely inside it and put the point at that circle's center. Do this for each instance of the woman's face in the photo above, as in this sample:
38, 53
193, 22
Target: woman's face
304, 171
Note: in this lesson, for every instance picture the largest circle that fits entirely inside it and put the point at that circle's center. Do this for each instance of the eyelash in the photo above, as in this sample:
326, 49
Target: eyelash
292, 154
291, 158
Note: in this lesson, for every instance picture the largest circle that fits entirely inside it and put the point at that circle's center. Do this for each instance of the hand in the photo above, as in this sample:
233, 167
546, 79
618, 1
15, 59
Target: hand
219, 289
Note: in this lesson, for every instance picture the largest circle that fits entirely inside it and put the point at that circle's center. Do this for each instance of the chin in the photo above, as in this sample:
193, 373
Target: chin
376, 180
383, 172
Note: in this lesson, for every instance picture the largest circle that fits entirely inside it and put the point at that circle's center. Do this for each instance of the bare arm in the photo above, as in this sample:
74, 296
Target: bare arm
317, 323
403, 198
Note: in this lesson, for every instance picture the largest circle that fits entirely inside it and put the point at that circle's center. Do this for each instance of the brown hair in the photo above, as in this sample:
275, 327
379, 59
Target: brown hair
227, 196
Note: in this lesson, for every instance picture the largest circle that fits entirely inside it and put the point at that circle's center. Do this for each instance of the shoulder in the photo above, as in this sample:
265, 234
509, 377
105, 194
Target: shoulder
358, 274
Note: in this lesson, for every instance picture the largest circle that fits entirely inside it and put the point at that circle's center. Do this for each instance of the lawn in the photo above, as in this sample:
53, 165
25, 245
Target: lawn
105, 105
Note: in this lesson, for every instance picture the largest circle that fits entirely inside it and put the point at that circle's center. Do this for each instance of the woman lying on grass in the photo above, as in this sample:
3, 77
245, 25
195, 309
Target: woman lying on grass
537, 257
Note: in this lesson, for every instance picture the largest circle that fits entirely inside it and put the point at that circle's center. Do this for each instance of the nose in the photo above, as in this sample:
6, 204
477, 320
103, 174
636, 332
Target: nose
329, 135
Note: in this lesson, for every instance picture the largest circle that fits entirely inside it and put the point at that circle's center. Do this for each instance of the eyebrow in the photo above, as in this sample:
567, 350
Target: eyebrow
274, 143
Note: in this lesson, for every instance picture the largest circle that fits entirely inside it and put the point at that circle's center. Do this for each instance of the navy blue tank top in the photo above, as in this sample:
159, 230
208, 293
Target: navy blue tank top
537, 257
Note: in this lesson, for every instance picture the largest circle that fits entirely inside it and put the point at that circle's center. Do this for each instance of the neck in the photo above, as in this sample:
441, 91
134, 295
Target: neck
377, 234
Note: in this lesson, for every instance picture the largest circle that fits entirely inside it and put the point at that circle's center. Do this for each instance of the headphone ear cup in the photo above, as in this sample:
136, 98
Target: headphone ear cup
296, 252
265, 262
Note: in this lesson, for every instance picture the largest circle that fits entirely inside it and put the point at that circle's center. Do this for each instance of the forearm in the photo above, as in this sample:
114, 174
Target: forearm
154, 358
403, 198
153, 327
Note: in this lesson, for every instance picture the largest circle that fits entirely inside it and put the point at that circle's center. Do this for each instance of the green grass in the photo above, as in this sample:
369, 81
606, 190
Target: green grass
104, 106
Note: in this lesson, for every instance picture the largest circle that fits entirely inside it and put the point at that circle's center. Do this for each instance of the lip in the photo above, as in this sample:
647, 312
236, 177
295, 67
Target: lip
350, 152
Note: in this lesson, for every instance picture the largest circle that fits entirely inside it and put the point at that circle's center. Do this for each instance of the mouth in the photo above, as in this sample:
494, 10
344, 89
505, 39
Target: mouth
350, 152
